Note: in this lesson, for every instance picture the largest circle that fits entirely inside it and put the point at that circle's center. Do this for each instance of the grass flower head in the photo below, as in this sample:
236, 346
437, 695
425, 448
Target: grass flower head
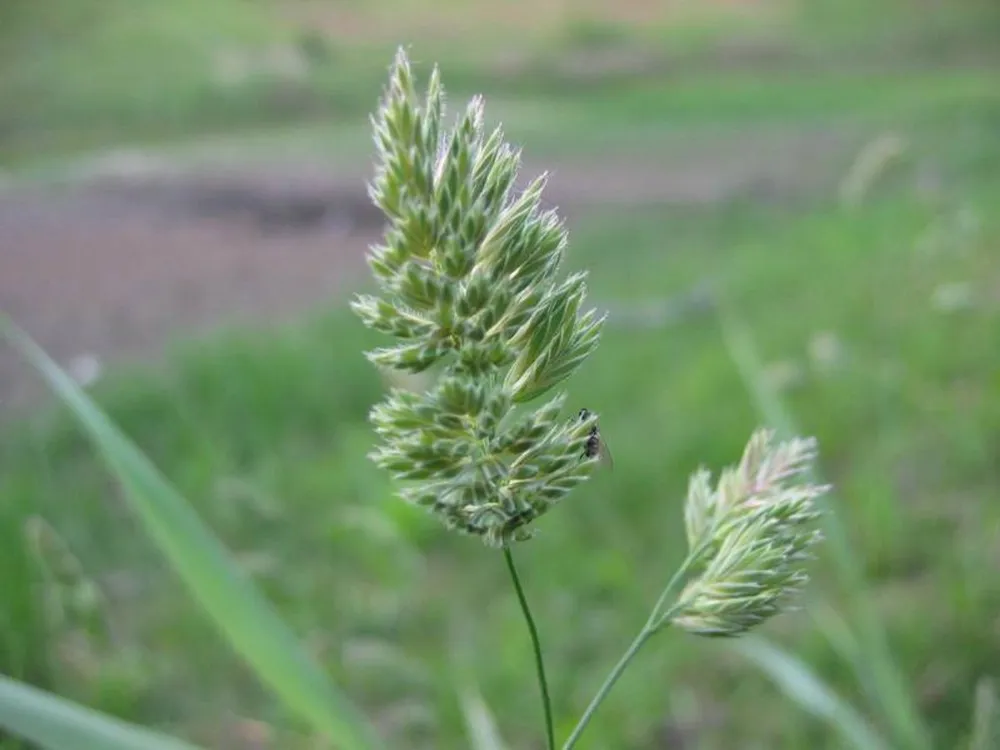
751, 536
468, 275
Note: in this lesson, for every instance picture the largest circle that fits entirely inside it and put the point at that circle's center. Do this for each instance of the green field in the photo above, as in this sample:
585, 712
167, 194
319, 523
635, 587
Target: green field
878, 323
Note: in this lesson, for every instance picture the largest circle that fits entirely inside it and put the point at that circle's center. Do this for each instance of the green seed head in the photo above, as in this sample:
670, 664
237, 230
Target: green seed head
468, 277
752, 537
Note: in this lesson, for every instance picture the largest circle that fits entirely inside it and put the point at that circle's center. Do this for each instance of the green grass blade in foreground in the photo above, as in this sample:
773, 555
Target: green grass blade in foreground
878, 673
985, 717
225, 594
801, 685
58, 724
480, 724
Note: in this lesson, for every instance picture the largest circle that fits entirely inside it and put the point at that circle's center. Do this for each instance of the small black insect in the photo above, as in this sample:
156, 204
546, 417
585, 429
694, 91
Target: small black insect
595, 445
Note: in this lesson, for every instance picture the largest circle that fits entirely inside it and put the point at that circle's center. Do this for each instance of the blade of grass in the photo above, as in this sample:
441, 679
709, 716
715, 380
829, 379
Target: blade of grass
838, 633
24, 641
877, 672
226, 595
802, 686
985, 717
58, 724
480, 724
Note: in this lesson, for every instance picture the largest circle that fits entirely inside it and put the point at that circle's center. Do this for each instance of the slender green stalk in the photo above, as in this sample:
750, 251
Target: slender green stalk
609, 682
536, 645
657, 620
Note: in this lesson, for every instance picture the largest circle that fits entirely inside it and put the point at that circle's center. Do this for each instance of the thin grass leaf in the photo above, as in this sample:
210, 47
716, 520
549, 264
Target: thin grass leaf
985, 717
740, 346
224, 592
25, 646
58, 724
838, 633
803, 687
480, 724
876, 670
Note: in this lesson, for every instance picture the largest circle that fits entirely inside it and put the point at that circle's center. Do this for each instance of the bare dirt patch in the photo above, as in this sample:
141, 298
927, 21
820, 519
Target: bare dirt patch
115, 267
110, 277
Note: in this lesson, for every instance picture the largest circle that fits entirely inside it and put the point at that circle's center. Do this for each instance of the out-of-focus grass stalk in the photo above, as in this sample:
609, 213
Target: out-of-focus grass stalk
876, 670
803, 686
985, 717
58, 724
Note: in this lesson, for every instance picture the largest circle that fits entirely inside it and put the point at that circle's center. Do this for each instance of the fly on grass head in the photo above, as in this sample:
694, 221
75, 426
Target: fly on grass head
595, 445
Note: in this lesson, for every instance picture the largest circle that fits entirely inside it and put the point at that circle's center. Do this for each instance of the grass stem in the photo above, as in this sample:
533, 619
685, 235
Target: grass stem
537, 646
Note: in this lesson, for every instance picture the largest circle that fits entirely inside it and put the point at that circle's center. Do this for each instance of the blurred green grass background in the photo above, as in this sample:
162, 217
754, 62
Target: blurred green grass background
879, 320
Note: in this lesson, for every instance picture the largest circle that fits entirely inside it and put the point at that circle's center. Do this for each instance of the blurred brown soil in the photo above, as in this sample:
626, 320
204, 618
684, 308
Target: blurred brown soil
115, 265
